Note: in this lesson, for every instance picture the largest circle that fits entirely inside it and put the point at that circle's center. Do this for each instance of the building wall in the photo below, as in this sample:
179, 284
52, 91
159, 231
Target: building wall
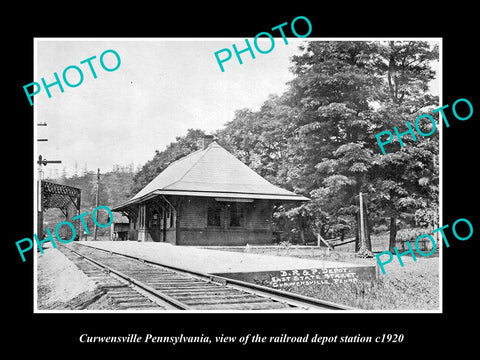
157, 235
193, 229
214, 237
190, 226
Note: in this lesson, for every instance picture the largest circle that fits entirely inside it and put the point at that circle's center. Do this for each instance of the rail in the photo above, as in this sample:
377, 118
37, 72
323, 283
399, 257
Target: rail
182, 287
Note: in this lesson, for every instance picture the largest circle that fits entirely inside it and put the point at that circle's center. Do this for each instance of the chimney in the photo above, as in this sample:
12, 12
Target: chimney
205, 141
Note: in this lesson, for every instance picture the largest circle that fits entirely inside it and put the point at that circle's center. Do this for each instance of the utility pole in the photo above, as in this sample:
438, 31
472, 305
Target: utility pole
363, 242
39, 199
41, 162
436, 172
96, 202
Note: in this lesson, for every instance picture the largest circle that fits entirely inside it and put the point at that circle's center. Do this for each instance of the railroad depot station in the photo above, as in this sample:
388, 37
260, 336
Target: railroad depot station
208, 197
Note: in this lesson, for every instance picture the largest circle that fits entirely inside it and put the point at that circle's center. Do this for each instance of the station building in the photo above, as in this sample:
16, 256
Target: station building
208, 197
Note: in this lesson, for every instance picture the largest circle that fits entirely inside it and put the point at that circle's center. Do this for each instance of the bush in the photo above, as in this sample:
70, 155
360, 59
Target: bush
411, 233
380, 228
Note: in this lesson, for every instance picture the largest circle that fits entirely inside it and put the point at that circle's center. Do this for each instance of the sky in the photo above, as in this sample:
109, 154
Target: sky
162, 88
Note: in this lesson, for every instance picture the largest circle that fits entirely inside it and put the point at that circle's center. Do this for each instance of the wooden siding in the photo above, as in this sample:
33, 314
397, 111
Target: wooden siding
157, 235
259, 215
193, 214
255, 224
190, 225
214, 237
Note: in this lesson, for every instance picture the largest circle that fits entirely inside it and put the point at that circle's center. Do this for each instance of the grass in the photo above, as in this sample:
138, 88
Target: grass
409, 293
415, 286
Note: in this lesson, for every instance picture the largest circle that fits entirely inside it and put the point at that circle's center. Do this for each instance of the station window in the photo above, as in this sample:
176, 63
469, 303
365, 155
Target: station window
236, 214
214, 213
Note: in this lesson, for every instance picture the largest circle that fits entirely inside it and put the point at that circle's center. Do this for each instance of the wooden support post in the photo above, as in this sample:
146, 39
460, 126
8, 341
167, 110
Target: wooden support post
164, 225
96, 202
319, 238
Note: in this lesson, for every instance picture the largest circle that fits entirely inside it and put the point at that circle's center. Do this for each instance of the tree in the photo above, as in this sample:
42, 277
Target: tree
259, 138
348, 92
183, 145
331, 154
405, 67
318, 138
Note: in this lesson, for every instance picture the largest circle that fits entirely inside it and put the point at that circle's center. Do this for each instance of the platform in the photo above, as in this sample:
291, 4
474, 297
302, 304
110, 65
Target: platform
276, 271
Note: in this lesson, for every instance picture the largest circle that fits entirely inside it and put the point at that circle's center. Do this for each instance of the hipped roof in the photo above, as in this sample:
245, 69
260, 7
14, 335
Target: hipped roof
212, 172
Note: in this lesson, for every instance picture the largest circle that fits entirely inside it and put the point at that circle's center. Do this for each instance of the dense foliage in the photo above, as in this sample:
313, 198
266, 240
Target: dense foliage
318, 139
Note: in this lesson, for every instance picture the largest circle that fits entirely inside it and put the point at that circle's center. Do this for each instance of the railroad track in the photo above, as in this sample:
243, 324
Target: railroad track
138, 284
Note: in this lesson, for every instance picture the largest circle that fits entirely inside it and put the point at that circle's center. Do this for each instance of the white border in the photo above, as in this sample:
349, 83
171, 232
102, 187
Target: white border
391, 311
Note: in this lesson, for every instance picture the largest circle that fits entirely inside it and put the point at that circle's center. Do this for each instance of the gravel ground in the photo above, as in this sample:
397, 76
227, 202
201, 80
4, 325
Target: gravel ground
62, 286
212, 261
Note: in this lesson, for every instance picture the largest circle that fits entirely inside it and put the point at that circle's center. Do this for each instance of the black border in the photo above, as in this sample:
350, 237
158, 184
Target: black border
428, 333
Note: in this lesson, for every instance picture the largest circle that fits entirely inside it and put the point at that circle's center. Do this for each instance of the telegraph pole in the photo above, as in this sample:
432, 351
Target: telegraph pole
96, 202
39, 199
41, 162
362, 226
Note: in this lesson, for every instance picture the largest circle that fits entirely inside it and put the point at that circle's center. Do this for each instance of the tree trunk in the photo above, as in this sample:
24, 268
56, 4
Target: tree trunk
357, 236
393, 233
368, 240
302, 236
365, 246
367, 232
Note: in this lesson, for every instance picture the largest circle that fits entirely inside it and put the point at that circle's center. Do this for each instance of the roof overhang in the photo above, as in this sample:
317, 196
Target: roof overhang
231, 195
